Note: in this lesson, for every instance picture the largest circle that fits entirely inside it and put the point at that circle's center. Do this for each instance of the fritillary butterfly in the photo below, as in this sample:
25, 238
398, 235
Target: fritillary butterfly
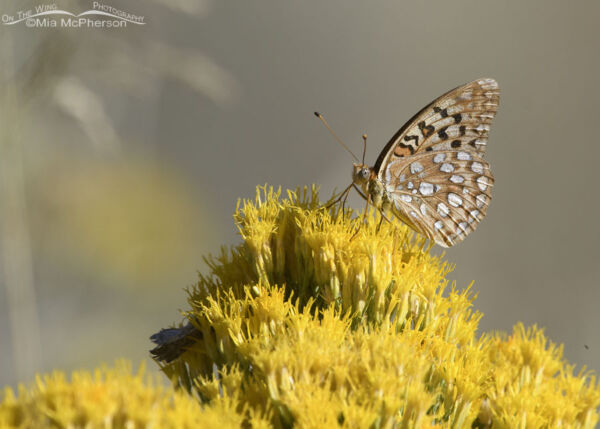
431, 174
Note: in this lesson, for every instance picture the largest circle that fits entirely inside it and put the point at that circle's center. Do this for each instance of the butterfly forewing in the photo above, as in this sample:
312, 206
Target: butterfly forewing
458, 119
433, 168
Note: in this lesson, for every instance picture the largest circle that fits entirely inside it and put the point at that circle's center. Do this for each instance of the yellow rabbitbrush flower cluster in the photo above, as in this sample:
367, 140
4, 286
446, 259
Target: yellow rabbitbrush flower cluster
311, 324
316, 325
115, 398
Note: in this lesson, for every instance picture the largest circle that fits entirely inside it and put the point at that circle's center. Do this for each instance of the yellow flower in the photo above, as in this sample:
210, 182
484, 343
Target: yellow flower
114, 398
317, 320
314, 323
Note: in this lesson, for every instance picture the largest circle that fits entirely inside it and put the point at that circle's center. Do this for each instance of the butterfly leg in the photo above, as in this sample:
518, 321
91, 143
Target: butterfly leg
379, 224
343, 195
383, 216
346, 198
360, 192
344, 202
364, 216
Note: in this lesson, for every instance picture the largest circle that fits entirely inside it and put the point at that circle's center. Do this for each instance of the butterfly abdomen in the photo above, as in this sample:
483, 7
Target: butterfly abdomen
377, 192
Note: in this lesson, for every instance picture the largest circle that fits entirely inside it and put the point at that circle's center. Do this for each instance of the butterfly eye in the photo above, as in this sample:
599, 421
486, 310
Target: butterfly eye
365, 173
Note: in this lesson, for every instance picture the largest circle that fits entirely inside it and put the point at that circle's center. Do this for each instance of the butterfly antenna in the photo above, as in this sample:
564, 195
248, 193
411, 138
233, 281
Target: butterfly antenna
318, 115
364, 137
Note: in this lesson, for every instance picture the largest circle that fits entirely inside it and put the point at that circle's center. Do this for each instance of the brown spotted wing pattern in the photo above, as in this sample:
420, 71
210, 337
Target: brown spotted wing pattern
433, 168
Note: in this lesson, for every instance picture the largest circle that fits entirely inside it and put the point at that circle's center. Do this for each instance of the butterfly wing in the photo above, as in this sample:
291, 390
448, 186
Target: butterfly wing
442, 194
433, 167
458, 120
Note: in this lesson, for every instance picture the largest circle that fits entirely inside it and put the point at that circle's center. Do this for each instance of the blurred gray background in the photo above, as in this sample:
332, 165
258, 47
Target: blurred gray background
123, 152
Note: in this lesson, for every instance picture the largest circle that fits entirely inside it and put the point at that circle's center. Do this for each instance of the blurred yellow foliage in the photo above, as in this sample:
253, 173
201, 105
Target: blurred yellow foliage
302, 326
113, 398
131, 220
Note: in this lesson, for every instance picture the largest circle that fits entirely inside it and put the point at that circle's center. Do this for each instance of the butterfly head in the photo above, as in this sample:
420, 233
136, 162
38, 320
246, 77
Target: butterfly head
361, 174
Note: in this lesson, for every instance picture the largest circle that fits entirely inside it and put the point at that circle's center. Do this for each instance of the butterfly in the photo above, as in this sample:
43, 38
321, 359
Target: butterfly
431, 174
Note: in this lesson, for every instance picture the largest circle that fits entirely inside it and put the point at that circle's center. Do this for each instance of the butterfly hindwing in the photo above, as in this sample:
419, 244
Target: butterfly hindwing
458, 119
443, 194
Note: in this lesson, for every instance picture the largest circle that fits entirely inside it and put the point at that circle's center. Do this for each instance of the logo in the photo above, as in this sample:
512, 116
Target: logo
50, 16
